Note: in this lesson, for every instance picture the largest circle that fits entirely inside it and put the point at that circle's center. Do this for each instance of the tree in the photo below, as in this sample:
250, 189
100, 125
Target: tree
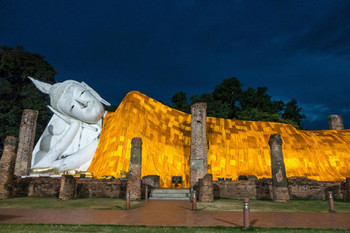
229, 101
179, 101
215, 108
18, 93
292, 112
257, 105
228, 94
220, 103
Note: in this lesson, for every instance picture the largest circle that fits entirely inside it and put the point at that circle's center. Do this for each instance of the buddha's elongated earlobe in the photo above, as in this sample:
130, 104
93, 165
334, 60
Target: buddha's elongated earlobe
95, 94
42, 86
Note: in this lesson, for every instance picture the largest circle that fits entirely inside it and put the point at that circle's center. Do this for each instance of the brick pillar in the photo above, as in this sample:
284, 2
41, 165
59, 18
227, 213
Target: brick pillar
347, 189
134, 178
67, 188
206, 191
26, 142
335, 122
198, 160
7, 166
279, 178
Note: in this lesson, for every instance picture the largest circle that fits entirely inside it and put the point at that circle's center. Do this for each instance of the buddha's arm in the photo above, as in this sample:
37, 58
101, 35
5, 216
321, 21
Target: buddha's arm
74, 161
57, 150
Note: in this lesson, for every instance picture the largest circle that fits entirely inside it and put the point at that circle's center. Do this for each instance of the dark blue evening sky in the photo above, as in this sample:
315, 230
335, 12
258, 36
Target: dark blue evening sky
298, 49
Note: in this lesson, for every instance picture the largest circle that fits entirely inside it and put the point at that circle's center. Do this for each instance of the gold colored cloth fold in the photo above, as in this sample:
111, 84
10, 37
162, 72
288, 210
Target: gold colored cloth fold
234, 147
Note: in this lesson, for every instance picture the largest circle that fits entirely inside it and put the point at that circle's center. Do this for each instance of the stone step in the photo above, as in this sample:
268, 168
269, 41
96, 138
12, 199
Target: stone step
171, 198
170, 194
168, 191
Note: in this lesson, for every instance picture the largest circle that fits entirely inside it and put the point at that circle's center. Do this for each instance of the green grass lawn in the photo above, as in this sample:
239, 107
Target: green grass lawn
55, 203
217, 205
270, 206
27, 228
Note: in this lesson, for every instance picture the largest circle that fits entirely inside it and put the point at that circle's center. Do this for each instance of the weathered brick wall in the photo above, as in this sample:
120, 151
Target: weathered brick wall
205, 187
101, 188
303, 188
264, 189
68, 188
152, 181
20, 186
237, 189
44, 187
298, 187
49, 186
36, 186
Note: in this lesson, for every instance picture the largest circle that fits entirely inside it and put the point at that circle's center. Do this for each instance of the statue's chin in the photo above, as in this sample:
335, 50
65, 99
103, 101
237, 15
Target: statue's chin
43, 170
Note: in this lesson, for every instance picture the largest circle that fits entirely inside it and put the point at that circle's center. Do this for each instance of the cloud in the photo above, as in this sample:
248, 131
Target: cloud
315, 112
330, 34
345, 110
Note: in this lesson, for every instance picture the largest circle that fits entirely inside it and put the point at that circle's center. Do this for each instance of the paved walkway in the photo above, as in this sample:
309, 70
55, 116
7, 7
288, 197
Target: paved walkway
174, 213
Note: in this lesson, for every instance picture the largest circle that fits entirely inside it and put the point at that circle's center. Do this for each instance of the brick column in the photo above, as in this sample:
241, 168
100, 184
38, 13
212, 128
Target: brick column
7, 166
206, 190
347, 185
279, 178
67, 188
26, 142
335, 122
134, 178
198, 160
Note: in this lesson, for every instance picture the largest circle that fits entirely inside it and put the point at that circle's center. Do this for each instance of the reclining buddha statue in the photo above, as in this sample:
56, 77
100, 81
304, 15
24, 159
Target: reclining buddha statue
71, 137
73, 140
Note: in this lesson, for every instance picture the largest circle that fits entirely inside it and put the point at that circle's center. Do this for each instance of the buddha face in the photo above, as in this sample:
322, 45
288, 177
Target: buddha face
77, 102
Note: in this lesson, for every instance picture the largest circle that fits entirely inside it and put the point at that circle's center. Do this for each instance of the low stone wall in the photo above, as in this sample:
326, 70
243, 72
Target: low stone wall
50, 187
101, 188
36, 187
237, 189
298, 187
304, 188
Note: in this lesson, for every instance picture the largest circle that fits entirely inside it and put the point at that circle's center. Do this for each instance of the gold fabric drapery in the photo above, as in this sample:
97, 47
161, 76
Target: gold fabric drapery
234, 147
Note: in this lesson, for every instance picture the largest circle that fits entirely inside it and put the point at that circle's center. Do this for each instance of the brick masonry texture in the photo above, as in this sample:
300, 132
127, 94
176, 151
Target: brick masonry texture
278, 171
50, 187
102, 188
134, 176
7, 166
152, 181
299, 188
206, 193
198, 159
26, 142
335, 122
42, 187
68, 188
347, 188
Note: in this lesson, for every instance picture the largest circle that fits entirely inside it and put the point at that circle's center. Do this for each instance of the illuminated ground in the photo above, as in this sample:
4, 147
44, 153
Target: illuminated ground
234, 147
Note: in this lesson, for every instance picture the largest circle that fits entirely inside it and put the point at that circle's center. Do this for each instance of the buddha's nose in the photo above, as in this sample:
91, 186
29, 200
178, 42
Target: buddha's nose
82, 104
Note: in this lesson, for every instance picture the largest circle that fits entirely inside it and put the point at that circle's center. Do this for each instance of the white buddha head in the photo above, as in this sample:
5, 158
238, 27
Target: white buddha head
74, 99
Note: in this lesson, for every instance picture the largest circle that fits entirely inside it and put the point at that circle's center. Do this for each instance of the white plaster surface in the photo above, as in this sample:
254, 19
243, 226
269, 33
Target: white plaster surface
70, 139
